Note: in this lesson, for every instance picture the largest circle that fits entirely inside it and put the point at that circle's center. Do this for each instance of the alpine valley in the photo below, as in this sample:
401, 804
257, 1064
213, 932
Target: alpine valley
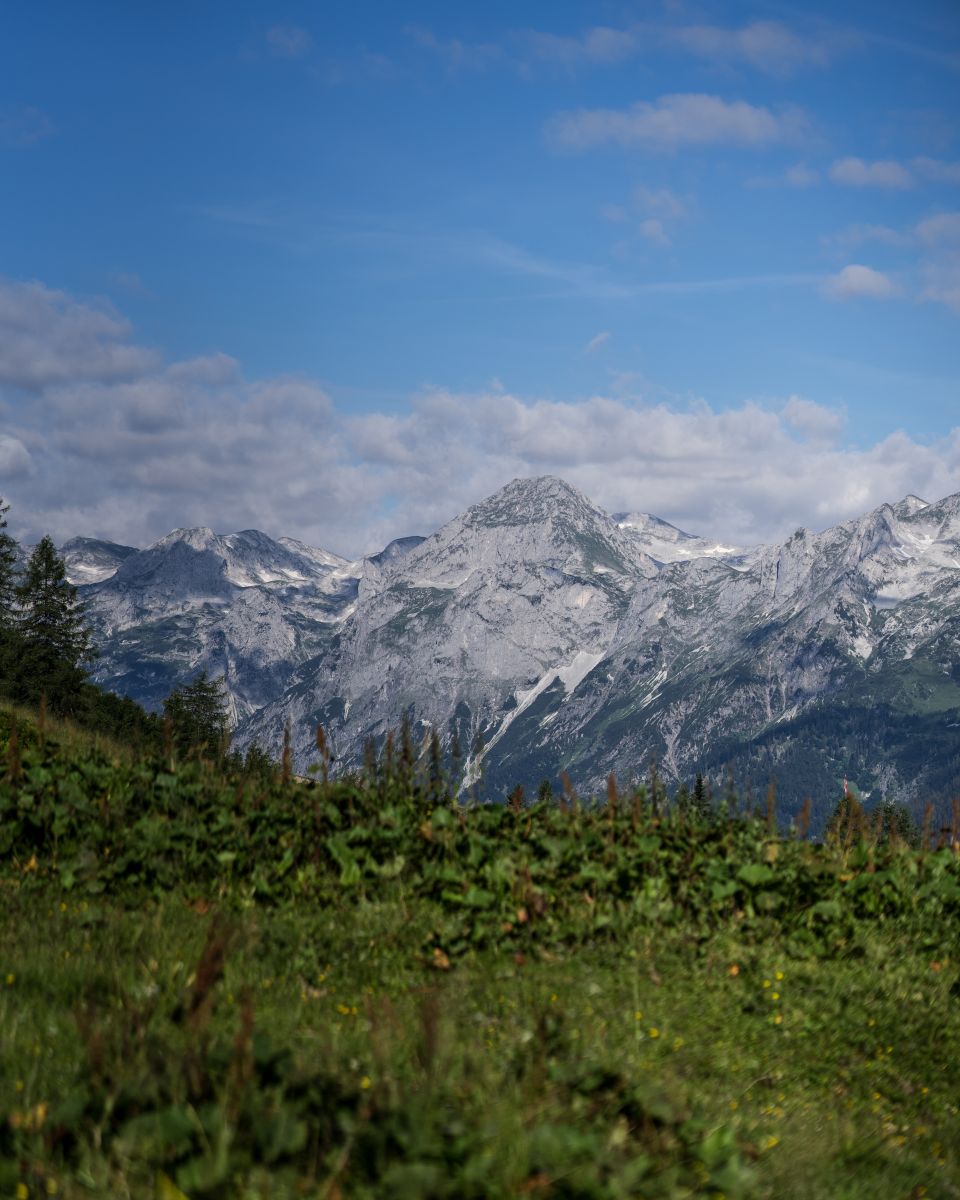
551, 637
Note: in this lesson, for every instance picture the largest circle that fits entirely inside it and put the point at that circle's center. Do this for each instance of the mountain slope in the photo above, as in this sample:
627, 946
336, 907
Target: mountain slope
549, 636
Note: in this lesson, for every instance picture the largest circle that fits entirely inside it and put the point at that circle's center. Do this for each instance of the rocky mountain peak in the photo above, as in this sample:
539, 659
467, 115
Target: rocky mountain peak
530, 502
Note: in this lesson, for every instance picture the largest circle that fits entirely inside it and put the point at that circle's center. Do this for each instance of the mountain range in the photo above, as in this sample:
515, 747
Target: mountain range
552, 637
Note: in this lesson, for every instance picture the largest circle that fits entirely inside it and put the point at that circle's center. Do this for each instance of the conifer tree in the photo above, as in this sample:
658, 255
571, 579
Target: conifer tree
53, 640
8, 573
198, 716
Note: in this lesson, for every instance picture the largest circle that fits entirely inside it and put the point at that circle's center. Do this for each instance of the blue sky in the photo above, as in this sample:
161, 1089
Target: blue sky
671, 251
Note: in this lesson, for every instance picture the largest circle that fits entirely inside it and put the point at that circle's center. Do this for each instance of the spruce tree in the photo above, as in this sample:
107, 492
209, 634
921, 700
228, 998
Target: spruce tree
8, 573
8, 584
198, 716
53, 640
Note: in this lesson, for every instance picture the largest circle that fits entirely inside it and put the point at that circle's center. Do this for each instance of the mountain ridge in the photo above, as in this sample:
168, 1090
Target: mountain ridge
556, 636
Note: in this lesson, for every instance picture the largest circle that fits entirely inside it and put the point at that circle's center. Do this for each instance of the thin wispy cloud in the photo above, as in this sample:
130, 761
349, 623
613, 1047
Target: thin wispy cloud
937, 171
770, 47
597, 341
855, 172
677, 121
288, 41
23, 125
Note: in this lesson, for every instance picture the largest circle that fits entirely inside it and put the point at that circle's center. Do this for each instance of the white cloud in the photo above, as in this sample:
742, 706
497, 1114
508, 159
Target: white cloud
855, 172
801, 176
652, 229
597, 341
458, 55
812, 419
601, 44
858, 280
944, 227
198, 444
941, 279
856, 235
47, 336
769, 46
15, 460
937, 170
673, 121
660, 202
289, 41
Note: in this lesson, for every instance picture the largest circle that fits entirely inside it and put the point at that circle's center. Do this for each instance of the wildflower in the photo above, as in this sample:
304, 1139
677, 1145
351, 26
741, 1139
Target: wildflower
778, 1018
11, 979
734, 1105
775, 996
638, 1015
365, 1082
23, 1192
677, 1043
778, 976
734, 970
653, 1032
766, 983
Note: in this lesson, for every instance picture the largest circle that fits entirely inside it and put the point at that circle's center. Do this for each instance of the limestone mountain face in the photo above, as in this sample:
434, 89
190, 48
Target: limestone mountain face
549, 636
531, 581
239, 605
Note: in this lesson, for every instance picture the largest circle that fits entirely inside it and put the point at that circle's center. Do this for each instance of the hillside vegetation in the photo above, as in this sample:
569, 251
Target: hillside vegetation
226, 984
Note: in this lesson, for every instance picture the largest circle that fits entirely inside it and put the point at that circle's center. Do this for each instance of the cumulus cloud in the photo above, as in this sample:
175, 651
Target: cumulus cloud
15, 460
198, 443
675, 121
858, 280
47, 336
289, 41
812, 419
855, 172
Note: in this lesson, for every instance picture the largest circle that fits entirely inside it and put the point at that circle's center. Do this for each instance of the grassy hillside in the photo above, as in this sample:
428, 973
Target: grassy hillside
219, 986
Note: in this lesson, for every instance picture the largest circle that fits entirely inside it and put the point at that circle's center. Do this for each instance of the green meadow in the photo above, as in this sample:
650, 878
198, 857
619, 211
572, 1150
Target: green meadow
228, 983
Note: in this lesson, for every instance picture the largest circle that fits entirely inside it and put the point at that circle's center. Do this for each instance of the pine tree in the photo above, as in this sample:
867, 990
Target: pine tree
198, 716
53, 640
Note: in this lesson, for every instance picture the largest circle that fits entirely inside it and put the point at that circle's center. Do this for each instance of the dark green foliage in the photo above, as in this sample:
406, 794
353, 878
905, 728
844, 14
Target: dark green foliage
197, 713
187, 1073
8, 573
52, 643
107, 825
